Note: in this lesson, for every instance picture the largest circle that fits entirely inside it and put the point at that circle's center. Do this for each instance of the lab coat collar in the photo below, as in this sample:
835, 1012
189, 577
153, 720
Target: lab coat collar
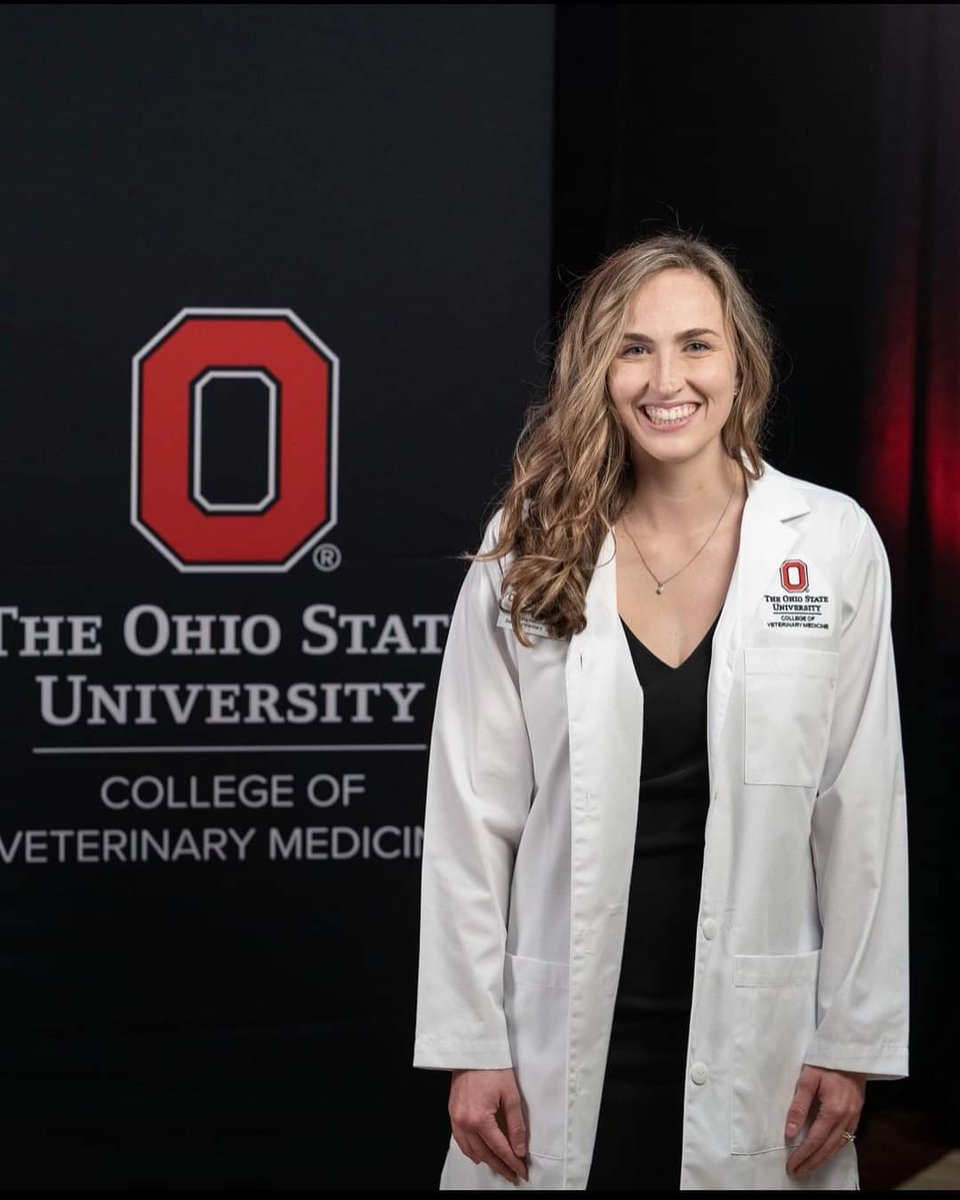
768, 533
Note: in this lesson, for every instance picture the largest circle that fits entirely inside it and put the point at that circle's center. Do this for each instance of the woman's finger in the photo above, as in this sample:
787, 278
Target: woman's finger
803, 1096
839, 1099
824, 1127
515, 1126
832, 1145
496, 1140
479, 1152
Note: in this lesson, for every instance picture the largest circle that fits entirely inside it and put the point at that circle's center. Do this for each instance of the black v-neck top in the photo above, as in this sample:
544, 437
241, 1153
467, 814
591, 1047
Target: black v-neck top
640, 1131
656, 981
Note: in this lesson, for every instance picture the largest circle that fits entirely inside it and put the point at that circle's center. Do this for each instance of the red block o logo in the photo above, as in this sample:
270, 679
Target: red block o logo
793, 575
299, 377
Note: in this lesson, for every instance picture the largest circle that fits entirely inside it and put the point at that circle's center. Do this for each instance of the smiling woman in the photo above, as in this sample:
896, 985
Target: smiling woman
674, 387
665, 378
664, 903
661, 328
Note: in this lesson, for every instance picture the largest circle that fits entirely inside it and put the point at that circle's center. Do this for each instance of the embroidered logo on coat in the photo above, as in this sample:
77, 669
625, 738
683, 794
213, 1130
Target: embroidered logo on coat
797, 606
793, 575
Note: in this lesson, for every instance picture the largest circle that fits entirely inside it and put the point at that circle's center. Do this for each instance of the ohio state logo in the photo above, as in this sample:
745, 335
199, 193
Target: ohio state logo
793, 575
179, 376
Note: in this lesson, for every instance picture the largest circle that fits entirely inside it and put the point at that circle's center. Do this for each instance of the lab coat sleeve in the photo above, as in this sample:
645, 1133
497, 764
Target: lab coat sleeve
479, 787
859, 838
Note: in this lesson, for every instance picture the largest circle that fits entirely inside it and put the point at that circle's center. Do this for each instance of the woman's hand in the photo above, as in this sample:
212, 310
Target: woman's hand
487, 1120
839, 1095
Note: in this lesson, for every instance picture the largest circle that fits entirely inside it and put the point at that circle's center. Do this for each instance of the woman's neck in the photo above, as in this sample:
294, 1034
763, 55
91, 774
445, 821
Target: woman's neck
682, 496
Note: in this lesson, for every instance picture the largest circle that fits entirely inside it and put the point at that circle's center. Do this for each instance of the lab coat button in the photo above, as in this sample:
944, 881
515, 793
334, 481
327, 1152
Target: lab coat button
700, 1073
709, 928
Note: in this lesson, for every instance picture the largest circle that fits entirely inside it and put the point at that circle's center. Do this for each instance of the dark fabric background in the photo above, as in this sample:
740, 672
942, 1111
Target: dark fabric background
817, 144
382, 171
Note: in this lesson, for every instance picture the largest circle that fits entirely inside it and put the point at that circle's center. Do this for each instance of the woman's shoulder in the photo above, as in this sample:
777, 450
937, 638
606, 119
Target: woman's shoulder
815, 494
491, 569
491, 534
491, 530
836, 510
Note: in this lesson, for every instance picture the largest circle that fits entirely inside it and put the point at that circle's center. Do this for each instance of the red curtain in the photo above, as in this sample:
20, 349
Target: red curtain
911, 447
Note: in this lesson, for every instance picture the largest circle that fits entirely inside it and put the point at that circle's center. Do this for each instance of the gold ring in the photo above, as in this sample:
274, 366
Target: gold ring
848, 1135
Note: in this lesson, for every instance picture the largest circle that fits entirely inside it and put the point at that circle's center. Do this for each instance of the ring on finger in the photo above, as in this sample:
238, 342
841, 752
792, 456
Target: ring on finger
814, 1163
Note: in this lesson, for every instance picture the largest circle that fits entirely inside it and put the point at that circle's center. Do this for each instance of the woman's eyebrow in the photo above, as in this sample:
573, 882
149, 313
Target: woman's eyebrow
681, 337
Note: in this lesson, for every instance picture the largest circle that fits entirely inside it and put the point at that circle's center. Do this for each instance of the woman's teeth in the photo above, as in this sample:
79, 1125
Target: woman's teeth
670, 416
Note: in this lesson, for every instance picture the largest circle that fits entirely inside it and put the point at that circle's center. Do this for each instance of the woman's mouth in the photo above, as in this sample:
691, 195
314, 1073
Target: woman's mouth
677, 416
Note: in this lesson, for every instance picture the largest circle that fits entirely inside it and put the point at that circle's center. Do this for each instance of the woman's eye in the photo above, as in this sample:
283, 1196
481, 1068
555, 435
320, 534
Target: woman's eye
634, 350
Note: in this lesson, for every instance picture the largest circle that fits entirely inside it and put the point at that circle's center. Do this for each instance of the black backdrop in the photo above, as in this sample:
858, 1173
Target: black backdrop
759, 125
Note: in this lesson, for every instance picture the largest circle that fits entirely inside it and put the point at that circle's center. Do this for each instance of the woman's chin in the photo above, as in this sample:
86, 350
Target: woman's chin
677, 449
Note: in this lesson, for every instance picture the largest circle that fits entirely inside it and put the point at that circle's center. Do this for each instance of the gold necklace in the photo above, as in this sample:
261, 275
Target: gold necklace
662, 583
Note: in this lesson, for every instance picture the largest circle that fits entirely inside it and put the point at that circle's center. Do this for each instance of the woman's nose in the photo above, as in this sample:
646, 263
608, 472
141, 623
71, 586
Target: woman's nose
666, 378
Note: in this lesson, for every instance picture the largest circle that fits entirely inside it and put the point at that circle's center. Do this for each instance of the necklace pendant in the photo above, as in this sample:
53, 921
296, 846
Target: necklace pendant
659, 588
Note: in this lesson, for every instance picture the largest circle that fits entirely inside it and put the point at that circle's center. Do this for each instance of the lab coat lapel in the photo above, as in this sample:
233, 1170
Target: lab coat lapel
767, 537
605, 722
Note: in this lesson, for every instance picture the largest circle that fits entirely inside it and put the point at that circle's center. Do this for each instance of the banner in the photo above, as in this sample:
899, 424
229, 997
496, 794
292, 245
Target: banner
276, 279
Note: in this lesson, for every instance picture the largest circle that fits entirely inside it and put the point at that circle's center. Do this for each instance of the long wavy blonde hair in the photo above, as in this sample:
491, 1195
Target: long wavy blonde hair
572, 470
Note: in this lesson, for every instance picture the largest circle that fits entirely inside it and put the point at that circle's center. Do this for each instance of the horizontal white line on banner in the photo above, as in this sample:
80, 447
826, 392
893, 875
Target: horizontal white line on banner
211, 749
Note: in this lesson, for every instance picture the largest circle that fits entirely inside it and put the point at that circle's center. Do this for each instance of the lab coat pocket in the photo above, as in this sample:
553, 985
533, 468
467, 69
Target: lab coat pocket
775, 1017
535, 1005
789, 695
462, 1174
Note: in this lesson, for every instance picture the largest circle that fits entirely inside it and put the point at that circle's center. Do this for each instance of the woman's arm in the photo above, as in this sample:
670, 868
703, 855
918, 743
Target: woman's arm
859, 839
479, 787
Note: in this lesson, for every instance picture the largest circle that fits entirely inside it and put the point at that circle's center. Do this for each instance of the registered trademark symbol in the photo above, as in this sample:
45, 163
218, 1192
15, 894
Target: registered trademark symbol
327, 557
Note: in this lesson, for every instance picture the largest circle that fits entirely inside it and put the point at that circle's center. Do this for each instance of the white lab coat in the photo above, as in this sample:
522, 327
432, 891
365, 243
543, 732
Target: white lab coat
800, 950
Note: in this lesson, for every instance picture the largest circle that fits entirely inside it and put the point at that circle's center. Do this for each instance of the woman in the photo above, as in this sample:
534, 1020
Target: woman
664, 896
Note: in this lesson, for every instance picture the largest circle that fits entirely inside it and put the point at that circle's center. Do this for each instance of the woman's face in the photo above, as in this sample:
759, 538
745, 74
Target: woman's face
673, 379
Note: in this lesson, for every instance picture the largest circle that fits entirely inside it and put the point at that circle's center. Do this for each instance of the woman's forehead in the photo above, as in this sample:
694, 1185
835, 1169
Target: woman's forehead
678, 297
